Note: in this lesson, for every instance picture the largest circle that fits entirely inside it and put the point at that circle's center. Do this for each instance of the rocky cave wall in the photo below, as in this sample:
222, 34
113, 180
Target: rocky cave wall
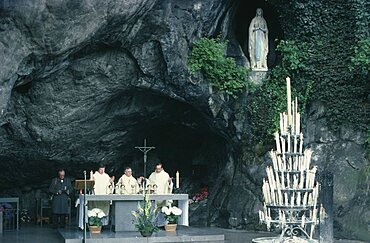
84, 82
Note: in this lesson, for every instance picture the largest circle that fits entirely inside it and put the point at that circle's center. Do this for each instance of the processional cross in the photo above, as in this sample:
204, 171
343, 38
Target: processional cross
145, 150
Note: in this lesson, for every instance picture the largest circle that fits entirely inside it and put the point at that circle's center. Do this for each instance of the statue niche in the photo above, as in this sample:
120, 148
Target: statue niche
258, 42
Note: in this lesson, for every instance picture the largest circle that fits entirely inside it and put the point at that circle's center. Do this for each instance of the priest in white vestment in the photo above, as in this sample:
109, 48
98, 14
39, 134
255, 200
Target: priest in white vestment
127, 184
103, 186
164, 186
163, 181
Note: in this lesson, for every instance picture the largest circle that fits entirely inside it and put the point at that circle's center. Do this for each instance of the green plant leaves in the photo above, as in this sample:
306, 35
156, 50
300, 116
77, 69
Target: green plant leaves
208, 56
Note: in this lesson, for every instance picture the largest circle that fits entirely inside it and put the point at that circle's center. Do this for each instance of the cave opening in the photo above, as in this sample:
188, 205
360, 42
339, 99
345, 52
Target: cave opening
182, 135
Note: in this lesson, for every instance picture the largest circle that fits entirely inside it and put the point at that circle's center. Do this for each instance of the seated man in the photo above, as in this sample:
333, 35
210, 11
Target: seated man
103, 186
127, 184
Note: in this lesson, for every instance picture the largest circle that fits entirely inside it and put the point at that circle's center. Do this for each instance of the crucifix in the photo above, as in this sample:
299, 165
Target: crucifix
145, 150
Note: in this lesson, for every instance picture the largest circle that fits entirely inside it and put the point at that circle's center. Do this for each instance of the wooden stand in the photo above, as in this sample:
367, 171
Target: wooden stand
80, 185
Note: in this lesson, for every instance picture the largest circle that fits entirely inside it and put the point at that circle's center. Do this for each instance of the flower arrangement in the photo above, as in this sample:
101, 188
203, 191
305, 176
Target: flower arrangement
95, 216
201, 196
171, 214
146, 217
25, 217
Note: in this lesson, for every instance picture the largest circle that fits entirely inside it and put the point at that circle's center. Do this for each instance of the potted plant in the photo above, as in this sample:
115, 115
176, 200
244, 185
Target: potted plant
146, 217
95, 220
172, 215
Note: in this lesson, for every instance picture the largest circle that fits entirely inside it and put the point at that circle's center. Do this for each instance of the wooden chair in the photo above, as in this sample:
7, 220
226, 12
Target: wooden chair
42, 206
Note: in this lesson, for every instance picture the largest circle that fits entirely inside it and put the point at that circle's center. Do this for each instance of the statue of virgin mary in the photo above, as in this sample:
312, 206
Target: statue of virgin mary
258, 42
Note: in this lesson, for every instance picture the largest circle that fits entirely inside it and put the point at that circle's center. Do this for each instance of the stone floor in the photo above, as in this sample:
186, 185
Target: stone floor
35, 234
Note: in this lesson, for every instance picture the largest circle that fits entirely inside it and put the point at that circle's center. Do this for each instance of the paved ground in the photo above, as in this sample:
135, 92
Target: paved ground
35, 234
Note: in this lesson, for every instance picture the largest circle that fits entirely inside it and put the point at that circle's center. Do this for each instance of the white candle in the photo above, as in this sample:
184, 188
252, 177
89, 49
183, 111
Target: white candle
280, 197
298, 123
303, 221
305, 199
285, 122
274, 160
289, 100
293, 119
277, 180
177, 179
301, 180
280, 163
277, 140
300, 142
281, 123
286, 199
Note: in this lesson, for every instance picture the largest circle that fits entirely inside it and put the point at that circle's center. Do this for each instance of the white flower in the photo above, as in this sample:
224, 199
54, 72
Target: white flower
90, 213
163, 209
167, 211
176, 211
101, 214
96, 210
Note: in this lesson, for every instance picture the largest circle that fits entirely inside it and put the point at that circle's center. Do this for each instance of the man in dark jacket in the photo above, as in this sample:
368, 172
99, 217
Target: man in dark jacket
60, 188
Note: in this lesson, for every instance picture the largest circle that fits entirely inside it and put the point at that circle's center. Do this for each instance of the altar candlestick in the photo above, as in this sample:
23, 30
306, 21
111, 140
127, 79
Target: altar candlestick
177, 179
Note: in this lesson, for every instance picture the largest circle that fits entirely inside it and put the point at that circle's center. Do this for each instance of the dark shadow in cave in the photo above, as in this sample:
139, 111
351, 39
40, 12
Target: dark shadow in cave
183, 137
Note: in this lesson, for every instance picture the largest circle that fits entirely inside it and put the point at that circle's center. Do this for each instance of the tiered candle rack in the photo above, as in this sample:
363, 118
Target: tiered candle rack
290, 191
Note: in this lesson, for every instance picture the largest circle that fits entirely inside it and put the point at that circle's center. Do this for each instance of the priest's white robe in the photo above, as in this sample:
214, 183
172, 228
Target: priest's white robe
129, 183
101, 187
163, 187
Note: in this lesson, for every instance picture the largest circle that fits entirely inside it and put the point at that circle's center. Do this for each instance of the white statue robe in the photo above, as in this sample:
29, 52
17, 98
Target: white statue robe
101, 187
130, 185
258, 42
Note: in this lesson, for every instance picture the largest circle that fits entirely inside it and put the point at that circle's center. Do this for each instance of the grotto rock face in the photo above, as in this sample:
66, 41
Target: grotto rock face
84, 82
81, 77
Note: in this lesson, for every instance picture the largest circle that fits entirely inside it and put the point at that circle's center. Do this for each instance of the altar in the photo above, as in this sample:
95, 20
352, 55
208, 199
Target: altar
123, 205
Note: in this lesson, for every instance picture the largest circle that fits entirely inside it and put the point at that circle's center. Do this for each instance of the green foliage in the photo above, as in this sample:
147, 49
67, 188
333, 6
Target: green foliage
360, 62
270, 98
146, 216
95, 221
208, 56
295, 56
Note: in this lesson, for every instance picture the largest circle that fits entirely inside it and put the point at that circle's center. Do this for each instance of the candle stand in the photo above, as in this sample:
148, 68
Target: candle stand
290, 190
